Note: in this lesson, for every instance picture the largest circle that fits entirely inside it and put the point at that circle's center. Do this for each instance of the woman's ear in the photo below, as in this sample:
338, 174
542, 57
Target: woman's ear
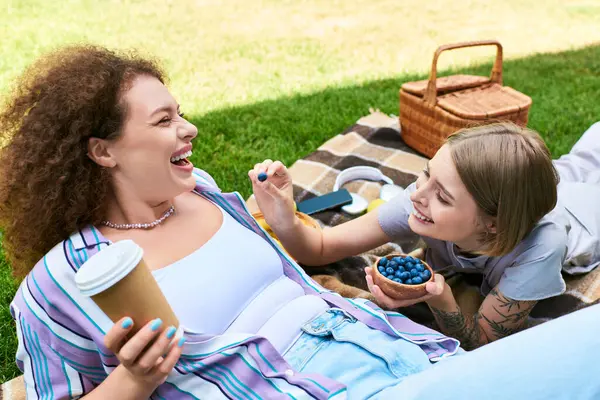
490, 225
99, 153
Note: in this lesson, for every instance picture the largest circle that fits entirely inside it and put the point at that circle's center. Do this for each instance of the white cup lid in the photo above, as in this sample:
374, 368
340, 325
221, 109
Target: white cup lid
107, 267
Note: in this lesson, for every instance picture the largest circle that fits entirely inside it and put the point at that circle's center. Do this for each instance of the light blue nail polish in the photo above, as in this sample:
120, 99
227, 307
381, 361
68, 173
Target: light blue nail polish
171, 332
127, 322
181, 342
156, 324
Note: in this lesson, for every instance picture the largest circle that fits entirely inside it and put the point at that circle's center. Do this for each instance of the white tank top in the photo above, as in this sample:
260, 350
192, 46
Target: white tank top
235, 283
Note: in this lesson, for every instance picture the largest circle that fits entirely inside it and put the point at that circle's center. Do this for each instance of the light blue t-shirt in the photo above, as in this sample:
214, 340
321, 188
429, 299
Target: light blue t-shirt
565, 239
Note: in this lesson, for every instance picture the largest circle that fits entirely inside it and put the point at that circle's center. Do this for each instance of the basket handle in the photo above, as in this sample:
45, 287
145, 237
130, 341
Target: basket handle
496, 77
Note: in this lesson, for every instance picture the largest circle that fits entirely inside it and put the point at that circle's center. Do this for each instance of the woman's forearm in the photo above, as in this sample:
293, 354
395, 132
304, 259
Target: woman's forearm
120, 385
303, 243
323, 246
453, 322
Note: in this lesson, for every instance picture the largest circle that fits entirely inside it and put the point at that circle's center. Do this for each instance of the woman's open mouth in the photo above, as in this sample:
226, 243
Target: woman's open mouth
422, 218
181, 160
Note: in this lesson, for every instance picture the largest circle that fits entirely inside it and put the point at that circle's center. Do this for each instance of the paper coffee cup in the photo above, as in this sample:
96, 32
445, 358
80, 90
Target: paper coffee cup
120, 283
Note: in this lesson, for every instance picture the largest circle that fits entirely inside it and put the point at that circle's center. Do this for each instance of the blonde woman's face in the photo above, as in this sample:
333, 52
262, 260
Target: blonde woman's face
442, 207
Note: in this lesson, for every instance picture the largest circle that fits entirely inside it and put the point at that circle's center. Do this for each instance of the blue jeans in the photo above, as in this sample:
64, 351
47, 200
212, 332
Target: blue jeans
555, 360
367, 361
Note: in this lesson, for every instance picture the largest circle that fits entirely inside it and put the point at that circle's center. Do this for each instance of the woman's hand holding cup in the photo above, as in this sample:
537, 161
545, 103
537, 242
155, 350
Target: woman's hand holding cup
118, 280
273, 191
149, 355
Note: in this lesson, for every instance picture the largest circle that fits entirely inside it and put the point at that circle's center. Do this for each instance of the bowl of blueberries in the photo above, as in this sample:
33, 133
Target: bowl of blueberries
401, 276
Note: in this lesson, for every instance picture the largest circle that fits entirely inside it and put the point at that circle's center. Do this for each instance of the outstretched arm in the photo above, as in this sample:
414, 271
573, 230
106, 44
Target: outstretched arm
307, 245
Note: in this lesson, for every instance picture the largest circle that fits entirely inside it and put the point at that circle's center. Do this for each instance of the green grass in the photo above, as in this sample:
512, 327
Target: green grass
223, 53
8, 339
276, 78
565, 88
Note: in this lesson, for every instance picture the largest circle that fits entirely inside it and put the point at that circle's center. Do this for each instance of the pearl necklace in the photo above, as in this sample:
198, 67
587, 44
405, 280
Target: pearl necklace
148, 225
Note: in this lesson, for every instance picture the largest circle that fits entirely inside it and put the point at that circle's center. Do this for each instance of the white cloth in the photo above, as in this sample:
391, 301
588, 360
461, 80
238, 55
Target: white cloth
579, 192
235, 283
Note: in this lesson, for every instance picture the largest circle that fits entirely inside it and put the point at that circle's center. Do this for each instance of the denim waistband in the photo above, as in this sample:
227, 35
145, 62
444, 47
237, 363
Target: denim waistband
328, 320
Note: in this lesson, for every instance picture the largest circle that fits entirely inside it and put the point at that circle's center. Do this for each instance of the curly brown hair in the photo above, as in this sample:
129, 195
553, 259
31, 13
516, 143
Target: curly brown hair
49, 187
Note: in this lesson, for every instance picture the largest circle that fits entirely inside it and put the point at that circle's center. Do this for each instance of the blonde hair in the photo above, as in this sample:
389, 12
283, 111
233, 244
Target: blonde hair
509, 172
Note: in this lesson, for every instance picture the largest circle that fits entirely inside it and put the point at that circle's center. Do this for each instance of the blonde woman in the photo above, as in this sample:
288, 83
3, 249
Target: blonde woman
489, 202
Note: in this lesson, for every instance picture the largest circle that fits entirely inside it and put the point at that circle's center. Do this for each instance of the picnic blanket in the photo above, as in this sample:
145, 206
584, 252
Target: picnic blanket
375, 141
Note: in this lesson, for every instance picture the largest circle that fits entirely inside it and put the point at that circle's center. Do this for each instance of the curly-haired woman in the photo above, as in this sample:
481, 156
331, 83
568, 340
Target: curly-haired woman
95, 142
95, 147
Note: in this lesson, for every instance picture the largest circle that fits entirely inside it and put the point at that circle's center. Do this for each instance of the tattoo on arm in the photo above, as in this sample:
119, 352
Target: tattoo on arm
512, 315
464, 328
503, 316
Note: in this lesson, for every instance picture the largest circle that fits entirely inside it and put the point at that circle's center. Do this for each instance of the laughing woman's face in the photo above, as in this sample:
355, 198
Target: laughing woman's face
151, 155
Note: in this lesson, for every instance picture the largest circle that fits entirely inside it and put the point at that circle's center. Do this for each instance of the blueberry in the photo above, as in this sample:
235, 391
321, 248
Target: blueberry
416, 280
392, 264
410, 265
397, 280
414, 272
426, 274
408, 282
398, 273
405, 275
383, 261
389, 270
401, 268
381, 269
420, 267
262, 177
397, 259
401, 261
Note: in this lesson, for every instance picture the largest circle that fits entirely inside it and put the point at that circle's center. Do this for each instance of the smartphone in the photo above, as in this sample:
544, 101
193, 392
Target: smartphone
325, 202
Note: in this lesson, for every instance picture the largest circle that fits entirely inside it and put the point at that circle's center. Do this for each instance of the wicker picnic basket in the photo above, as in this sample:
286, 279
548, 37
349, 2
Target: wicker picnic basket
431, 110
